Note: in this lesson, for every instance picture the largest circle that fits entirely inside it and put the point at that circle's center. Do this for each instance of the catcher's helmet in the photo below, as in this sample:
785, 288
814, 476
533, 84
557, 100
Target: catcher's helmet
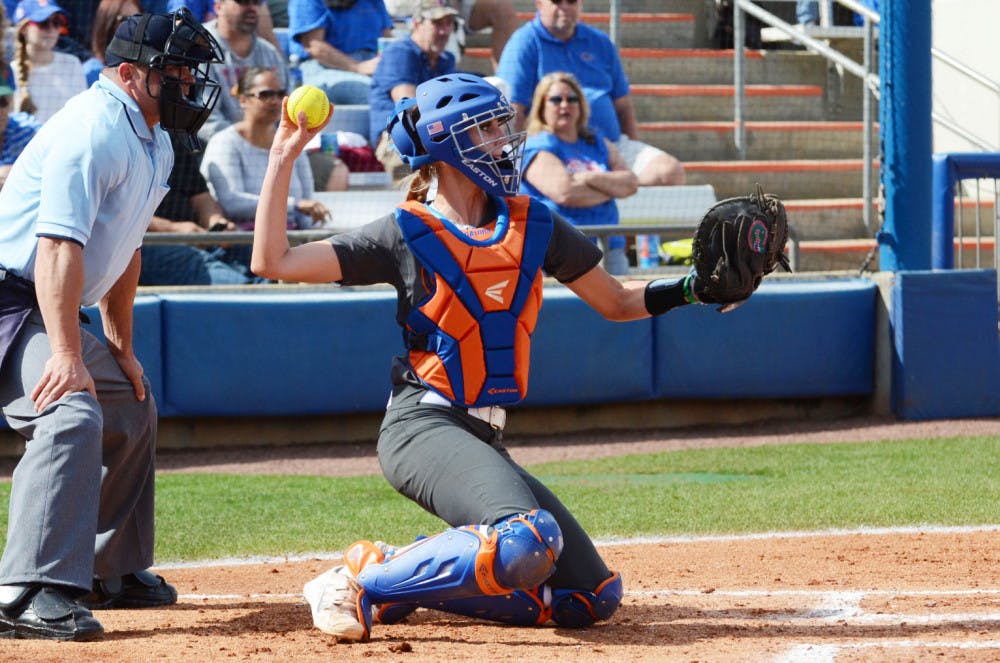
442, 124
159, 41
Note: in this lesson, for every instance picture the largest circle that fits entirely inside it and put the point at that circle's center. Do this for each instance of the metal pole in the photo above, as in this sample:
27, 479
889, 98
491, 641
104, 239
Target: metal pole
614, 18
739, 130
867, 132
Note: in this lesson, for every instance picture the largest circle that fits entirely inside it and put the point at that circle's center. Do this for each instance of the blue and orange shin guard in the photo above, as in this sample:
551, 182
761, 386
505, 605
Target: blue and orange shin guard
516, 553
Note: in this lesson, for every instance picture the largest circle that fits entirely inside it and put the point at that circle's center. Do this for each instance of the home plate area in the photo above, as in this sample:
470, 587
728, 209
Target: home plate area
886, 595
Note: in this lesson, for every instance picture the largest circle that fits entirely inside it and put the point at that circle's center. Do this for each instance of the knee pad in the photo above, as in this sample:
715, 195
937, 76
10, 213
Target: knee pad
577, 609
517, 553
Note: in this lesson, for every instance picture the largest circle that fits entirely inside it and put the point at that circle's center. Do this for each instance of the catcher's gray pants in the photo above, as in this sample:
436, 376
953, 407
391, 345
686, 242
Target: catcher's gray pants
456, 467
81, 502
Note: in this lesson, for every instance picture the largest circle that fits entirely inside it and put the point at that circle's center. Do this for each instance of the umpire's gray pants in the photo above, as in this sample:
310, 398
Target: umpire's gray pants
81, 503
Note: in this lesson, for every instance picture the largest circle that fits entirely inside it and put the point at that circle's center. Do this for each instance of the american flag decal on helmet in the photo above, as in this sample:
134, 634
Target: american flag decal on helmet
435, 128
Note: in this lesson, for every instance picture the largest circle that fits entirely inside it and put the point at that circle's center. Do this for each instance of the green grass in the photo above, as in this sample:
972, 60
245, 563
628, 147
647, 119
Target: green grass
711, 491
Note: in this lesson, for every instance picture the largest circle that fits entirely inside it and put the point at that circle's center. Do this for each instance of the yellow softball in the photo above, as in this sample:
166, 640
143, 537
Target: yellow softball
312, 101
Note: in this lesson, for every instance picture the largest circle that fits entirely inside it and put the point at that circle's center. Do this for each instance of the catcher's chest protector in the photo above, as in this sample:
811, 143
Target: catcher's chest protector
470, 340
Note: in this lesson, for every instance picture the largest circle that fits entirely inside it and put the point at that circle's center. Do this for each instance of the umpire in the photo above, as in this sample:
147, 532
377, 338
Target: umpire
72, 217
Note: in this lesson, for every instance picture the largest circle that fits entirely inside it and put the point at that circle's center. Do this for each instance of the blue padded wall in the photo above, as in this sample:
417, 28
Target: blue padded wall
579, 357
947, 353
286, 354
146, 340
792, 338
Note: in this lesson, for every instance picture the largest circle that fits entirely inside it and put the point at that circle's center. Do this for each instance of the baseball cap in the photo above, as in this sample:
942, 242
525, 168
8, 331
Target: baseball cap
155, 36
36, 11
435, 9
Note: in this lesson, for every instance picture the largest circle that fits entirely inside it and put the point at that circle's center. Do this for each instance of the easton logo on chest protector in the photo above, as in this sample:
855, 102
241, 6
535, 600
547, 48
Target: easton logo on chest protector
470, 338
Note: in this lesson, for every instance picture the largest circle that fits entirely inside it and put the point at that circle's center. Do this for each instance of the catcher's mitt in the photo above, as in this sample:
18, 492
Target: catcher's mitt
737, 242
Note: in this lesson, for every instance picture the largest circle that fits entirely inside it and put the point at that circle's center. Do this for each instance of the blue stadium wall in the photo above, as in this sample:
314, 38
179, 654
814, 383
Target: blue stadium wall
328, 352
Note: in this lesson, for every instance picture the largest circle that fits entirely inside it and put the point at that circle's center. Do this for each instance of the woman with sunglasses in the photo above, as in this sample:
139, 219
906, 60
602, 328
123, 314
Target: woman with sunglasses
235, 159
467, 263
573, 168
46, 79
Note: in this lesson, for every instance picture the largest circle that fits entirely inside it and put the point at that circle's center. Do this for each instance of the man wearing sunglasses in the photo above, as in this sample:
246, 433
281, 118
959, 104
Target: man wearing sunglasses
555, 40
236, 28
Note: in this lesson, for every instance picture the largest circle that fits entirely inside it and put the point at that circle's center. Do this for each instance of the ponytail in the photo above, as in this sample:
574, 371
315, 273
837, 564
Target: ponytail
418, 185
22, 72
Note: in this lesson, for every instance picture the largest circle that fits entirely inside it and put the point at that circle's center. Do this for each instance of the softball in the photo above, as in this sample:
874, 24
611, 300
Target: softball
312, 101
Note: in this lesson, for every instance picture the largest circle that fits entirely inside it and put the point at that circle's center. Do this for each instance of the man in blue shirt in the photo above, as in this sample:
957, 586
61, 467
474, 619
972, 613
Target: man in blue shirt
16, 129
340, 40
405, 64
73, 213
555, 40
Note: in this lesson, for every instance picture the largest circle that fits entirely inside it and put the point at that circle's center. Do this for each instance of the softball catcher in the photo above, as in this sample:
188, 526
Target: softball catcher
467, 266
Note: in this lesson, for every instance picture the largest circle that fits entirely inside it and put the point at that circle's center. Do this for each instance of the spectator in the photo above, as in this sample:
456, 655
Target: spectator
340, 40
16, 129
109, 14
555, 41
405, 64
571, 168
189, 208
807, 12
46, 79
236, 158
235, 27
207, 11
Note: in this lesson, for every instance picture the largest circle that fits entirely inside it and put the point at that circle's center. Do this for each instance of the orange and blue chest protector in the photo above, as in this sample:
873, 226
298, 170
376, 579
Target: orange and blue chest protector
470, 339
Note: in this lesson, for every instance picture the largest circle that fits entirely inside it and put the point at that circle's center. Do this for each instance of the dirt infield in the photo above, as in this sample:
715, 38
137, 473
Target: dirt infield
905, 595
851, 597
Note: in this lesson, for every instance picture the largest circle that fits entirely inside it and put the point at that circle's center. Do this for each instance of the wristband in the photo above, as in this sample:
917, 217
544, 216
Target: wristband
664, 294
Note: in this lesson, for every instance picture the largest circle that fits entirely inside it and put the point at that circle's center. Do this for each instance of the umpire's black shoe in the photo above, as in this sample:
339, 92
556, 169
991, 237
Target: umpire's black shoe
141, 589
46, 612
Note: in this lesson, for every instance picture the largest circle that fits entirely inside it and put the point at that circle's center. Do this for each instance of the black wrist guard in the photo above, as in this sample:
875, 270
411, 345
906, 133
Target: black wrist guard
665, 294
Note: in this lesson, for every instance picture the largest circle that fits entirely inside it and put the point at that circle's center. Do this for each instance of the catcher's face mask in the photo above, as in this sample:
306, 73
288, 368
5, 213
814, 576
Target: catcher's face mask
179, 50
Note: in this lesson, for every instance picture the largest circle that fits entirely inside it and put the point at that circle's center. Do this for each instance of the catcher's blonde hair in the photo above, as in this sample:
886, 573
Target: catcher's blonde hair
536, 116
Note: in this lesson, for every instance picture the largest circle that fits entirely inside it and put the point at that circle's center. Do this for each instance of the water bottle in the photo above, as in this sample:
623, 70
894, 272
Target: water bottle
647, 251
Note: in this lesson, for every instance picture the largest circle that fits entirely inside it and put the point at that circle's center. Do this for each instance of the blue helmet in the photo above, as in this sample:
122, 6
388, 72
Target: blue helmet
442, 124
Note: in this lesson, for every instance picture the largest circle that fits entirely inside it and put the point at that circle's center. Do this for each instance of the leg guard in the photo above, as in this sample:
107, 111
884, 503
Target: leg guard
570, 608
578, 609
517, 553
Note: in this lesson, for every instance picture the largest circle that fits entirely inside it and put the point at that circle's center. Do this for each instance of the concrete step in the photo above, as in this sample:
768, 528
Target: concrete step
691, 141
790, 179
706, 65
669, 102
852, 254
827, 218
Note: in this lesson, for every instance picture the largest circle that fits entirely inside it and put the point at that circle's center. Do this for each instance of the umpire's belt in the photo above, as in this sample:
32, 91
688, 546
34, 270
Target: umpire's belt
494, 415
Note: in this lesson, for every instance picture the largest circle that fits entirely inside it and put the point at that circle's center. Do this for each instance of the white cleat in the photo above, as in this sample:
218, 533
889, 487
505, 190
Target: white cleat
334, 598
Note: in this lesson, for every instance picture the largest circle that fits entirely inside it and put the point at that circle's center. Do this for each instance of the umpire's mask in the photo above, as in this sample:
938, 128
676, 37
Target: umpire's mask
159, 41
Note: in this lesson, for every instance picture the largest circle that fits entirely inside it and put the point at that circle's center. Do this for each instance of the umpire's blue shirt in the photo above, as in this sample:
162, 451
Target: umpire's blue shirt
93, 174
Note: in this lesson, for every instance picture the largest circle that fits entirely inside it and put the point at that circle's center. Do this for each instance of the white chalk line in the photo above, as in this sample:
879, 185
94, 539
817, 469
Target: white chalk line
827, 653
873, 531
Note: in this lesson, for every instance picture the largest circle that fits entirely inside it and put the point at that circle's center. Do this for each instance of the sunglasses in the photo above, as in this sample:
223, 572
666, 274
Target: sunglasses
247, 3
267, 95
559, 2
5, 101
555, 99
54, 22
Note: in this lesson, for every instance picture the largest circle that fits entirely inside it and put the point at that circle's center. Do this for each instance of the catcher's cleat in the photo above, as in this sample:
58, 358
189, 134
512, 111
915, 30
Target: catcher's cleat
338, 603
